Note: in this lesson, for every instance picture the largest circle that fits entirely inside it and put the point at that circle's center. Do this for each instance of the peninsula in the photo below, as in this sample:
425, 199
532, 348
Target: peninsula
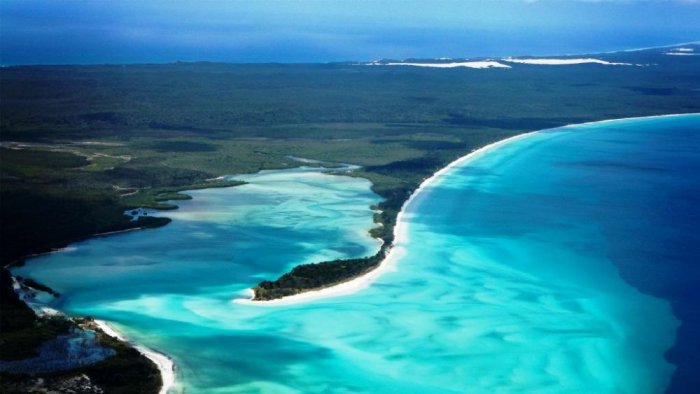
315, 276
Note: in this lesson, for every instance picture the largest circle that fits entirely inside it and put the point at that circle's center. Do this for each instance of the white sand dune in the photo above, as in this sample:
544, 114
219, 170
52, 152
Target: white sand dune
682, 52
472, 64
560, 62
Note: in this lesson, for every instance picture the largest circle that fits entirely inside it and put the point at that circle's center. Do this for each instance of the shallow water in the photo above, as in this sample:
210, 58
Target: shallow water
510, 280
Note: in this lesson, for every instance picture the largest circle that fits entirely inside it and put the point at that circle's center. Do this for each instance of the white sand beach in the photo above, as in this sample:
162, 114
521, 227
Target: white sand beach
352, 286
629, 118
164, 364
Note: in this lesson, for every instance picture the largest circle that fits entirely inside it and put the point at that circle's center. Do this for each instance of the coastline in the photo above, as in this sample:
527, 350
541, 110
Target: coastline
397, 249
573, 125
395, 252
164, 363
388, 264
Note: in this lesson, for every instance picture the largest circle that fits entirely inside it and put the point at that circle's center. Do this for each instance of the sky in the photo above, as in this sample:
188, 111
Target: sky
159, 31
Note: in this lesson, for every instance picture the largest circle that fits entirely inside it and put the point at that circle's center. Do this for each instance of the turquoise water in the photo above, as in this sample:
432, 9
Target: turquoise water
511, 279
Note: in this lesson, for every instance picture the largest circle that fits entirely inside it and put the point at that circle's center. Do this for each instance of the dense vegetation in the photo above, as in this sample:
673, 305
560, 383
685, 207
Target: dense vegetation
318, 275
21, 333
81, 144
92, 141
127, 372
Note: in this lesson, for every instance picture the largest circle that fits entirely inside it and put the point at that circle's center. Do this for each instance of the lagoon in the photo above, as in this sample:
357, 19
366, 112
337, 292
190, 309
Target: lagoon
550, 264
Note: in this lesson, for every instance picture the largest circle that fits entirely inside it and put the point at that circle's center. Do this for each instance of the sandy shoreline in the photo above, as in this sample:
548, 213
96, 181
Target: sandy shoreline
165, 364
396, 251
401, 229
621, 119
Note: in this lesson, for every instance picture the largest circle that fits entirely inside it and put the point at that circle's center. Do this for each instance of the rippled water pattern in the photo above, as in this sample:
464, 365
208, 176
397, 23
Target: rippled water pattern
510, 280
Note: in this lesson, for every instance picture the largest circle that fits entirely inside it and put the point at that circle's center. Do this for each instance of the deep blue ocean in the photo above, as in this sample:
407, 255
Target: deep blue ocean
566, 261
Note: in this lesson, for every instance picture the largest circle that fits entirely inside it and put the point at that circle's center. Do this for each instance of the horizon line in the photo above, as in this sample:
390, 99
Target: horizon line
172, 62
